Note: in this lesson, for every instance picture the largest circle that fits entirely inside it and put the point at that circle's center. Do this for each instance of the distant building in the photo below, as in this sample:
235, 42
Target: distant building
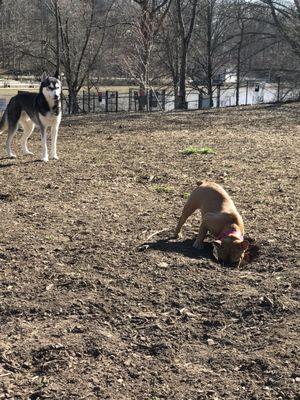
230, 77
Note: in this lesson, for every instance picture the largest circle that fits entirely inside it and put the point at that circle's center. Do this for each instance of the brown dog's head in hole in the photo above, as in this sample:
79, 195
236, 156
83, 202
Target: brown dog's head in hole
233, 252
230, 251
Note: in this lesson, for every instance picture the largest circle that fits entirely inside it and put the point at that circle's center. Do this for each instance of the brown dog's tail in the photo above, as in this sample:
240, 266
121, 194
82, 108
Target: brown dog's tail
3, 122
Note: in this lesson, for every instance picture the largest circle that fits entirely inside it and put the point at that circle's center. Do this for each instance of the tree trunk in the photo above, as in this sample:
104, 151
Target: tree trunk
182, 104
209, 54
175, 89
209, 77
185, 33
238, 67
57, 37
238, 78
73, 100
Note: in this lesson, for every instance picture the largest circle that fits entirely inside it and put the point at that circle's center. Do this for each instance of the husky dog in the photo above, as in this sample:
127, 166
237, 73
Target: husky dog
41, 109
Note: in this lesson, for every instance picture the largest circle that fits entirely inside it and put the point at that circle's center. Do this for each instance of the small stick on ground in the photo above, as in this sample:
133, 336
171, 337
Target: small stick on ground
156, 233
8, 373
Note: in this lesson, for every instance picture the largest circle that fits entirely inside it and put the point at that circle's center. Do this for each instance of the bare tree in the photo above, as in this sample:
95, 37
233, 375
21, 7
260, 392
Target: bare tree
253, 36
286, 17
186, 15
145, 23
209, 49
240, 10
82, 34
15, 35
66, 34
168, 43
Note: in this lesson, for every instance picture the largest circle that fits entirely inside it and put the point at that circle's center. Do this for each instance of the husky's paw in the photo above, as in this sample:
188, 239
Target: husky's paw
27, 153
55, 157
44, 159
12, 155
198, 245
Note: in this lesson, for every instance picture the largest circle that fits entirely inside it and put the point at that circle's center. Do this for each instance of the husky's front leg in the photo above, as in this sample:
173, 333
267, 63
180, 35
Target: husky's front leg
44, 144
54, 132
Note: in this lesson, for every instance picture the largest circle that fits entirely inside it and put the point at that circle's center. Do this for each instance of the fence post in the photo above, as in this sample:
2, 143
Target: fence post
247, 87
150, 100
218, 95
83, 101
200, 96
69, 105
163, 99
278, 89
117, 101
129, 99
106, 101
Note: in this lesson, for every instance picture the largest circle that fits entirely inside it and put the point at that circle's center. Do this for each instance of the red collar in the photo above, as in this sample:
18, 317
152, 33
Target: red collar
231, 233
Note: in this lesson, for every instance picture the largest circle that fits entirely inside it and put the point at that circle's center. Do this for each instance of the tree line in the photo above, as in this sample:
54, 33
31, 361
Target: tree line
150, 42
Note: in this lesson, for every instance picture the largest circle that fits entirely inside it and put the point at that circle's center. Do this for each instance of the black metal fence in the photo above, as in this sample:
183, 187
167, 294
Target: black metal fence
250, 93
114, 101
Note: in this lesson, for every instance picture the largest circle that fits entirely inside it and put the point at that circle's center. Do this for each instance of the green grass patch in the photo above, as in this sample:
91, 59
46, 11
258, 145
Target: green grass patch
50, 237
198, 150
162, 188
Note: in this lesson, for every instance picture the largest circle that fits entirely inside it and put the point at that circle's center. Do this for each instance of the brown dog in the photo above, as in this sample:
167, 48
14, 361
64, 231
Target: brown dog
221, 218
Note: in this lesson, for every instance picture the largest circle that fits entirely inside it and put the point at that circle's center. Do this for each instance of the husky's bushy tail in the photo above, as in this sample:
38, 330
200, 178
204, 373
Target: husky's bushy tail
3, 122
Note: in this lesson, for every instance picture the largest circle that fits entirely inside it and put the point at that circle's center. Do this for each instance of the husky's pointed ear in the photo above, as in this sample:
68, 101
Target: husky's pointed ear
44, 77
56, 74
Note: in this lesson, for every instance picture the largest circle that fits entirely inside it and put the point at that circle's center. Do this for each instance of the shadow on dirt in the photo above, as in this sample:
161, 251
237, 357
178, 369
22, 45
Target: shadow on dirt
6, 165
186, 248
183, 247
36, 161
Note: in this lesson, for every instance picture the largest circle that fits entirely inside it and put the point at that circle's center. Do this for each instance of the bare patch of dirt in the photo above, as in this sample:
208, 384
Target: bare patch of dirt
87, 313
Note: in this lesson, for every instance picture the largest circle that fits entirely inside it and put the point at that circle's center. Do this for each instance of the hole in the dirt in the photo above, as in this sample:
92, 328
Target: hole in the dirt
36, 395
5, 197
253, 250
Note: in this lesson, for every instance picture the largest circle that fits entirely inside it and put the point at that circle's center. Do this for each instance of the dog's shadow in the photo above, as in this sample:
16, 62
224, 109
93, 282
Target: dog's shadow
6, 165
35, 161
184, 247
14, 164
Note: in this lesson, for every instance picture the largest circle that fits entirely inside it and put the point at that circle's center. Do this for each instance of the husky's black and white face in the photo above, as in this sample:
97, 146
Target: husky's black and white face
51, 88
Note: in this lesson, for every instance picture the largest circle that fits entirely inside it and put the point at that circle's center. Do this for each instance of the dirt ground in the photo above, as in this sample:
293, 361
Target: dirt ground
89, 312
